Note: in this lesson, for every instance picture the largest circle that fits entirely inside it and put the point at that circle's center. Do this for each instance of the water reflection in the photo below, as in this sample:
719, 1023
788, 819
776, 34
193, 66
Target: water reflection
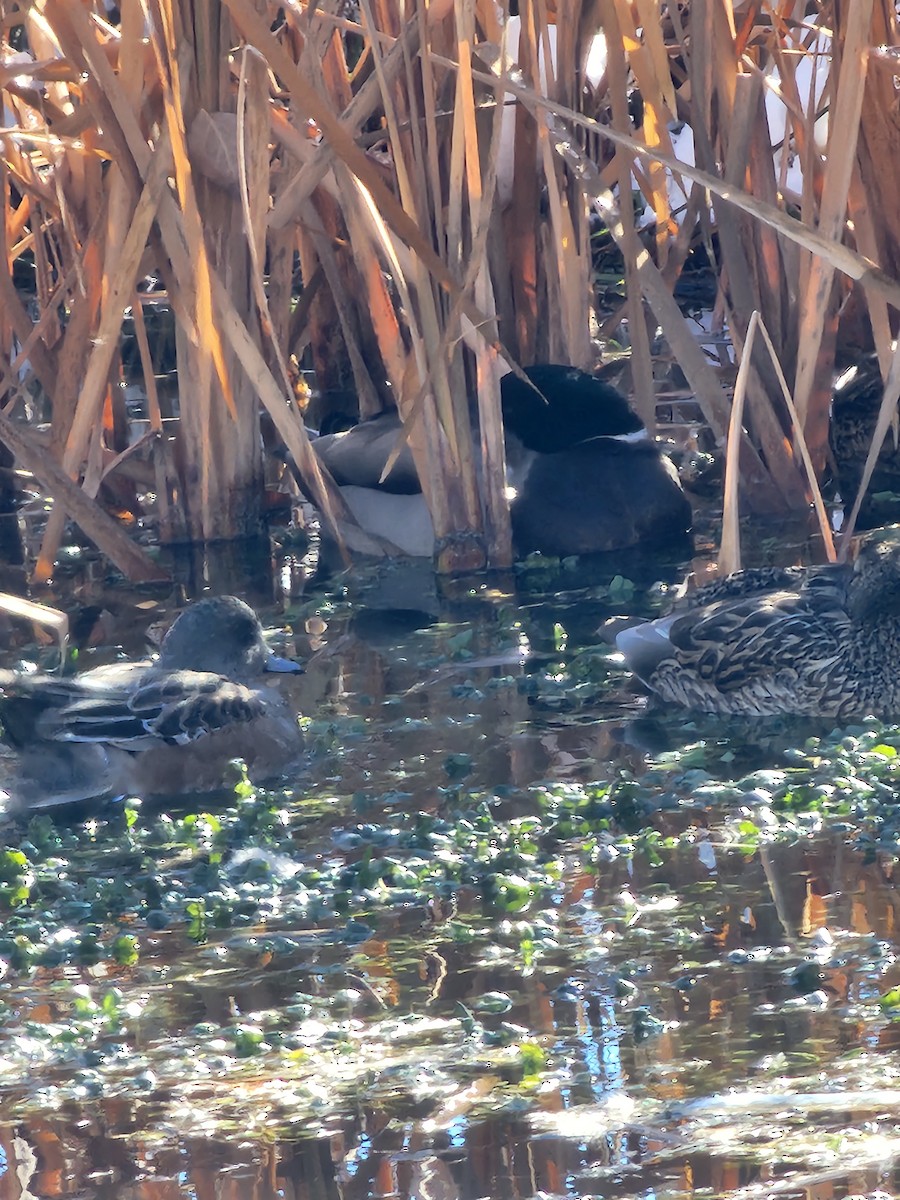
739, 1012
657, 983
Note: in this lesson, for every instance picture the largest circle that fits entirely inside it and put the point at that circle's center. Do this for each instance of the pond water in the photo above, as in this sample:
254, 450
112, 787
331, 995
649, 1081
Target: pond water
508, 934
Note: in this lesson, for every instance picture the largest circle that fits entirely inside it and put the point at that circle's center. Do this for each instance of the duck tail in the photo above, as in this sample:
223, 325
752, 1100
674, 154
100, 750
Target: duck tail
646, 646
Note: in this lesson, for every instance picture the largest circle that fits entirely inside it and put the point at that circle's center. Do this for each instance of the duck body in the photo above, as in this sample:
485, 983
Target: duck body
583, 500
388, 504
154, 729
357, 457
586, 475
400, 519
813, 642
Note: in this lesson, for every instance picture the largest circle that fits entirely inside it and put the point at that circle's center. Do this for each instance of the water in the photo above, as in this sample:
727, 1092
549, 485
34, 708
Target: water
476, 949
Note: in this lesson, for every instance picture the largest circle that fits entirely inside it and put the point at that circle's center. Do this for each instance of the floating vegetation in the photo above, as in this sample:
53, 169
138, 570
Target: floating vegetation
681, 941
364, 935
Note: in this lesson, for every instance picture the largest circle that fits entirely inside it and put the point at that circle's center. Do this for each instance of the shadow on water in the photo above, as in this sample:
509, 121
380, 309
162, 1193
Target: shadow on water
510, 934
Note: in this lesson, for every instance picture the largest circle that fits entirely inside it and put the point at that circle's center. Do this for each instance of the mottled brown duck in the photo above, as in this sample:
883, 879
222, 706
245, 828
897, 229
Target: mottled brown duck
820, 641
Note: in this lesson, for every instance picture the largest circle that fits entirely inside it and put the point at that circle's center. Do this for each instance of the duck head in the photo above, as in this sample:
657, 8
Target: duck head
222, 635
874, 589
569, 407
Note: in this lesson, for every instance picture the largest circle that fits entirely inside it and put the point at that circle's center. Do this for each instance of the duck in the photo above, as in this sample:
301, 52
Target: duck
159, 728
815, 641
856, 401
386, 503
587, 476
584, 475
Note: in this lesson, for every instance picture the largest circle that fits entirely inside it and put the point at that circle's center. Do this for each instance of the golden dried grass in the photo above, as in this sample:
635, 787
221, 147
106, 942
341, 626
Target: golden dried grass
434, 274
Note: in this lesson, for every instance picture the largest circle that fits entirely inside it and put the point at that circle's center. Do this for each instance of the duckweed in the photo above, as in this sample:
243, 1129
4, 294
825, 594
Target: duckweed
288, 959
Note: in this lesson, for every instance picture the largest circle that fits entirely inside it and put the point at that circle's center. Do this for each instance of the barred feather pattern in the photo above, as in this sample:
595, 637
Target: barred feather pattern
823, 641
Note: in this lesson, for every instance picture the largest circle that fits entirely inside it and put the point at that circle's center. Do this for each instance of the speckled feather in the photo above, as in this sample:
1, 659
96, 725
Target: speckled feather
178, 708
823, 641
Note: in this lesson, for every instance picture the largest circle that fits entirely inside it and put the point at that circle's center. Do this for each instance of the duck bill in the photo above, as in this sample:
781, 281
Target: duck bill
276, 663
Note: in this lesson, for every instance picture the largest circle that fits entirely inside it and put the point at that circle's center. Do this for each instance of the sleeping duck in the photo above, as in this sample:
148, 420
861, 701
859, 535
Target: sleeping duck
820, 641
584, 473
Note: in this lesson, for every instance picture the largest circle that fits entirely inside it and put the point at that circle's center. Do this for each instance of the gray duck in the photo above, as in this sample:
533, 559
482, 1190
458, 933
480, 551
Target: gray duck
160, 728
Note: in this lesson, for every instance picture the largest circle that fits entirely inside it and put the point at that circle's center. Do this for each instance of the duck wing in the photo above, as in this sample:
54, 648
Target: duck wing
186, 705
729, 644
173, 707
33, 708
746, 622
752, 581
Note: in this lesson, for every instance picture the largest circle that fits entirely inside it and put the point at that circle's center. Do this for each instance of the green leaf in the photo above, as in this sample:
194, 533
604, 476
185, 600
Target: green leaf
512, 892
125, 950
532, 1058
885, 751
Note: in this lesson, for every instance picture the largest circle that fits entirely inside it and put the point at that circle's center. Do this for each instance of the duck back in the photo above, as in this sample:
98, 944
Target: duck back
599, 496
820, 642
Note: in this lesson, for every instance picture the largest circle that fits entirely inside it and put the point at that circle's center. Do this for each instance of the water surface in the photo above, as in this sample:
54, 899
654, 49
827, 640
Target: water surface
506, 934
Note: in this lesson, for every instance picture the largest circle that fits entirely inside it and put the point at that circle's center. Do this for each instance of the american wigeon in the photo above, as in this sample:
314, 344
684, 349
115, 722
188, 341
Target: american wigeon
820, 641
161, 728
585, 476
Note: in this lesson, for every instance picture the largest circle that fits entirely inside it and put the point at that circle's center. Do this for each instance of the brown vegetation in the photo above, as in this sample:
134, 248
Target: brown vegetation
327, 180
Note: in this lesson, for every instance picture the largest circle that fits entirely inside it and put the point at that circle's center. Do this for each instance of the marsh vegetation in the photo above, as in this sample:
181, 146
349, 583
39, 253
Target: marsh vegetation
506, 933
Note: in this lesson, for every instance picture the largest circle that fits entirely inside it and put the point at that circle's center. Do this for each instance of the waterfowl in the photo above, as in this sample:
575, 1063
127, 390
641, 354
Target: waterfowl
161, 728
358, 456
388, 504
856, 401
822, 641
585, 474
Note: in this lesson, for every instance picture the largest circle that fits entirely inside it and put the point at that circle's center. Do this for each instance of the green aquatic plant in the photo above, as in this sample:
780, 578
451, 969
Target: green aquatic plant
384, 896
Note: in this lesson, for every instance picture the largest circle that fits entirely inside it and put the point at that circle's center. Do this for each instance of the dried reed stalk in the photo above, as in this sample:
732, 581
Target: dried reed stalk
816, 302
432, 277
